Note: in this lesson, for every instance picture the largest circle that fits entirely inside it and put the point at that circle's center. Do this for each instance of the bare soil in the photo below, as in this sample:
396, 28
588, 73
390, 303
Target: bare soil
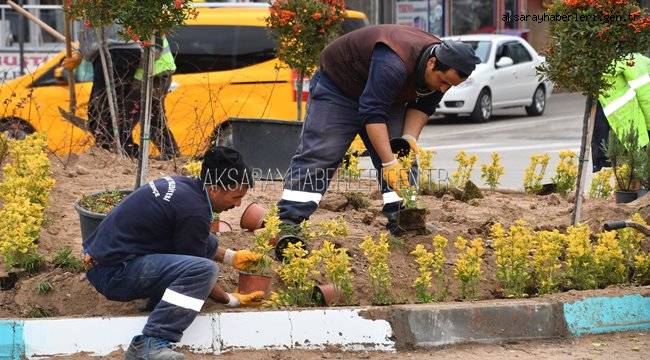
97, 170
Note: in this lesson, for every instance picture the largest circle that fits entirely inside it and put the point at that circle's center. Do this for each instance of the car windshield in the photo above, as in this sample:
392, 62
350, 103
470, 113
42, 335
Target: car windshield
481, 48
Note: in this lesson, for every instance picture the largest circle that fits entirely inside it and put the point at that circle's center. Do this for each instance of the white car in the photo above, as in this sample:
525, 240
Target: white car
505, 78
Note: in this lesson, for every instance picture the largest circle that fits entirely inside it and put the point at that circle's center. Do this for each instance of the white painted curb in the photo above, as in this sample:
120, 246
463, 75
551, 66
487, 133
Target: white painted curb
215, 333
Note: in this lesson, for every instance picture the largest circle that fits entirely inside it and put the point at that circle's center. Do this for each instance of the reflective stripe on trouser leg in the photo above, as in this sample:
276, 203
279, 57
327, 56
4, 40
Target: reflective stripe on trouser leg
330, 126
182, 299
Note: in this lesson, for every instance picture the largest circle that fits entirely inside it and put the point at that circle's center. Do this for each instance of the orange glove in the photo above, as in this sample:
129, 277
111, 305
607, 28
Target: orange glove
72, 61
242, 259
396, 177
412, 142
242, 300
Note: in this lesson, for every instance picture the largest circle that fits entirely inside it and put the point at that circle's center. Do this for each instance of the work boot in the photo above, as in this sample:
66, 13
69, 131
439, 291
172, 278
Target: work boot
151, 348
395, 229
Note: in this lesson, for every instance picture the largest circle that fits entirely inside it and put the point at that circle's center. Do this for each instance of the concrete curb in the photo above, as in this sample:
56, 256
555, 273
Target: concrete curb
372, 328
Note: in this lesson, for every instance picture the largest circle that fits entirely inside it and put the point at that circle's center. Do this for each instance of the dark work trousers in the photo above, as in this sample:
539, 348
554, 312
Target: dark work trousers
331, 123
177, 286
599, 140
125, 63
161, 136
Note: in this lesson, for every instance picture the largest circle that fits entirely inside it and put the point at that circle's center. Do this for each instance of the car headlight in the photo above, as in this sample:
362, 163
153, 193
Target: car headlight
467, 83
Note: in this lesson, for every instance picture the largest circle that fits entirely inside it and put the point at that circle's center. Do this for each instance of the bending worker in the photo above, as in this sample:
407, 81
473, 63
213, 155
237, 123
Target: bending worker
381, 82
156, 245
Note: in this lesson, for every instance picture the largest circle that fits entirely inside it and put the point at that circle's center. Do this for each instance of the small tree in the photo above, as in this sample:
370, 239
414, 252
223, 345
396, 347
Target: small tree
597, 33
302, 28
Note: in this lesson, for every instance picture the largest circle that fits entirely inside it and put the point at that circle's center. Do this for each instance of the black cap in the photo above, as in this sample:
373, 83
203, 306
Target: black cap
225, 167
457, 55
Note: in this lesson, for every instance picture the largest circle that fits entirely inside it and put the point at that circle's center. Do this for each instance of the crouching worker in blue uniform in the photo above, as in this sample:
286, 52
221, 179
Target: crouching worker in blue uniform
157, 245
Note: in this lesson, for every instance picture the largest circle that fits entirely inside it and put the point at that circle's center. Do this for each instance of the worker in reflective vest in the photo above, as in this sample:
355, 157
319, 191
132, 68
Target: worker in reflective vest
163, 68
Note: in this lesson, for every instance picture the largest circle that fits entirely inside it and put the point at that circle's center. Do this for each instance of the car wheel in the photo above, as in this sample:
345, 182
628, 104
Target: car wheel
483, 108
15, 129
539, 102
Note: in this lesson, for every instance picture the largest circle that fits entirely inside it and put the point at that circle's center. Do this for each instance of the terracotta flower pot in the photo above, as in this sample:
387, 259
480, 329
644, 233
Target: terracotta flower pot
328, 295
253, 217
249, 283
283, 242
220, 226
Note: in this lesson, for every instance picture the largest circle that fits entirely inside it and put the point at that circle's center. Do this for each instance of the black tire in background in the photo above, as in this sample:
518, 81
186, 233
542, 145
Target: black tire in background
538, 105
483, 108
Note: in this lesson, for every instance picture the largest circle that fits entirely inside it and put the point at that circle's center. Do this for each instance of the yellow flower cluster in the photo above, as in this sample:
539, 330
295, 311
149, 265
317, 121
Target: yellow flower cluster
566, 172
642, 269
25, 191
601, 184
468, 265
336, 265
425, 163
580, 265
533, 177
630, 241
422, 283
192, 168
377, 254
262, 242
546, 263
350, 167
334, 228
491, 173
464, 170
298, 272
610, 263
512, 249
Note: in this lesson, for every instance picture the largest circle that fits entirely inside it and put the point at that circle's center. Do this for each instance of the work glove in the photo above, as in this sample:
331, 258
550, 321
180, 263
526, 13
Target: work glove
395, 176
412, 142
242, 259
243, 300
71, 62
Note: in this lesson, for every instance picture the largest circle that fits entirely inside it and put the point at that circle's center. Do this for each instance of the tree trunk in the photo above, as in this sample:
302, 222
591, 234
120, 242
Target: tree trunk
107, 67
299, 83
145, 113
585, 153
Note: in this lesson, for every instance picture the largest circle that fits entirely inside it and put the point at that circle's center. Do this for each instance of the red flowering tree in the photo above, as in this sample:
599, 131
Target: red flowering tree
302, 28
588, 36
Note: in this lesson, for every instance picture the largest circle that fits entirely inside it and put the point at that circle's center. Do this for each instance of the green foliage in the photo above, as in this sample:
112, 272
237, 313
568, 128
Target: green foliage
32, 262
43, 287
585, 47
491, 172
377, 253
103, 202
35, 311
336, 264
626, 156
64, 259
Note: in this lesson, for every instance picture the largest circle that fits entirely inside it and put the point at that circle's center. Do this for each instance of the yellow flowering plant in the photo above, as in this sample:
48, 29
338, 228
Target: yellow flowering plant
601, 184
377, 254
425, 164
262, 243
464, 169
580, 266
566, 172
422, 282
512, 249
192, 168
532, 175
630, 241
468, 265
609, 260
336, 266
24, 194
298, 273
350, 167
333, 228
642, 269
491, 173
546, 263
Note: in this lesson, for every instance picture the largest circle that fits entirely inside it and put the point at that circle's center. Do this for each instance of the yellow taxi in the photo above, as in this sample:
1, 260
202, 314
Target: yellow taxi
226, 67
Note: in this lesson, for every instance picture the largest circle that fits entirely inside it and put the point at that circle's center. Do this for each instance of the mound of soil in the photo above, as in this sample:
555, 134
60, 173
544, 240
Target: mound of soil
98, 170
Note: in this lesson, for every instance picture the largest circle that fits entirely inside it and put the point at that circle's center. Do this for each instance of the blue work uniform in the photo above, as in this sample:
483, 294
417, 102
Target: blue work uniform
331, 123
157, 245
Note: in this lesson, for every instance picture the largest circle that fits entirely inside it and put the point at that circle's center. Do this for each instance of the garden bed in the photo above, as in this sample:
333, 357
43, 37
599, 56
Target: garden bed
72, 295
